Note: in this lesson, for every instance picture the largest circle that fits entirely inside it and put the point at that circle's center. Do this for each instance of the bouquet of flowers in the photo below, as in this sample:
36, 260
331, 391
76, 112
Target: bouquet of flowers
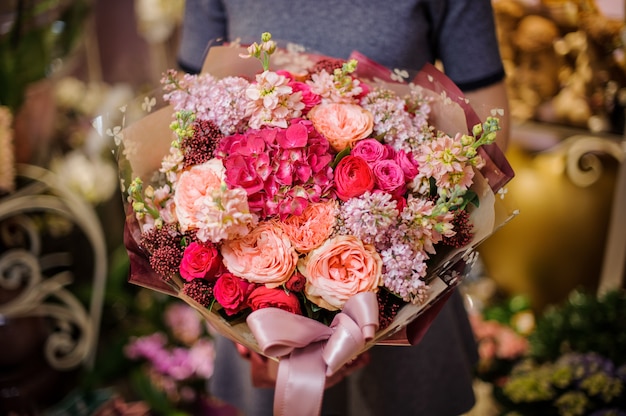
308, 207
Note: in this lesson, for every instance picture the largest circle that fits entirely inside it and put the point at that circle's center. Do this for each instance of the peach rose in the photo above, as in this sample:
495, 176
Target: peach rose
342, 124
342, 267
311, 228
203, 202
264, 256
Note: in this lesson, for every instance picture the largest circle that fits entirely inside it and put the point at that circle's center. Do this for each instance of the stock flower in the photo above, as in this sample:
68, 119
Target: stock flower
342, 124
353, 177
221, 101
264, 256
444, 159
200, 261
265, 297
231, 292
272, 101
204, 203
342, 267
309, 98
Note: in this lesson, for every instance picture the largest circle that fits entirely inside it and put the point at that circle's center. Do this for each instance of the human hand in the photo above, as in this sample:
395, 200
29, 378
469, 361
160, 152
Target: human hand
264, 371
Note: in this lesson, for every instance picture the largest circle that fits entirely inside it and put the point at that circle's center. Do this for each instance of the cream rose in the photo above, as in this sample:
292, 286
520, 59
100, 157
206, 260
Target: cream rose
264, 256
342, 124
342, 267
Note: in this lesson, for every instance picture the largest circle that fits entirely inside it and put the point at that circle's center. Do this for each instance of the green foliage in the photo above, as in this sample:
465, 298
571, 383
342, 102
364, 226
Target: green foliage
576, 364
584, 323
38, 35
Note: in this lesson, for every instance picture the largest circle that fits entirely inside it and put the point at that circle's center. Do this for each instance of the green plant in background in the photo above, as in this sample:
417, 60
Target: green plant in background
584, 323
34, 35
576, 364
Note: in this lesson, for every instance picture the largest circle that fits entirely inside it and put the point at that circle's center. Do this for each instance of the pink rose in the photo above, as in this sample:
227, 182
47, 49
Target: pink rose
200, 261
353, 177
407, 162
371, 150
231, 292
342, 267
342, 124
264, 297
264, 256
389, 177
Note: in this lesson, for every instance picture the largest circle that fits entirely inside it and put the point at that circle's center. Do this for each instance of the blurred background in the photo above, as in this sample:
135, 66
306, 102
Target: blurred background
77, 339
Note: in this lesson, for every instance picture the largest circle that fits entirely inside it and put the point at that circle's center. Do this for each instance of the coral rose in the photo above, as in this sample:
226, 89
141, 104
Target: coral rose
342, 124
264, 297
311, 228
231, 292
264, 256
200, 261
353, 177
342, 267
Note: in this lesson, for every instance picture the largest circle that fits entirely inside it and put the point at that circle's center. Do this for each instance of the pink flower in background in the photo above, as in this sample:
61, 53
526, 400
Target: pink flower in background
184, 322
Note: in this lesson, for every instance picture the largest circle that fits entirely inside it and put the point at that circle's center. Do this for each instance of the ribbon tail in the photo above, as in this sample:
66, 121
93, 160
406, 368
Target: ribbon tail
300, 382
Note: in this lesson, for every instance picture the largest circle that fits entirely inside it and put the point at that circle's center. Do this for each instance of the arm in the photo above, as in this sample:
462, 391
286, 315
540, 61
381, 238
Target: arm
204, 21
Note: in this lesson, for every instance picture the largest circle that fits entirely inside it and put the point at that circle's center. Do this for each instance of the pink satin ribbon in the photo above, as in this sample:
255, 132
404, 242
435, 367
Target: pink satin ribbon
309, 350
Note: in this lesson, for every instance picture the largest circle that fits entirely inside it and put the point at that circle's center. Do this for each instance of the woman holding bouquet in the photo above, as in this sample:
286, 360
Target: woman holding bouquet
433, 377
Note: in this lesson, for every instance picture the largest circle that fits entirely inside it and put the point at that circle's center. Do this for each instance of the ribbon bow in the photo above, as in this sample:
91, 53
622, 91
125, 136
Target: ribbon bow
309, 350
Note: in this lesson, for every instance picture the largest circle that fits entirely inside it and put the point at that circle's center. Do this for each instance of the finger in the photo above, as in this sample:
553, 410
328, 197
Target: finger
243, 351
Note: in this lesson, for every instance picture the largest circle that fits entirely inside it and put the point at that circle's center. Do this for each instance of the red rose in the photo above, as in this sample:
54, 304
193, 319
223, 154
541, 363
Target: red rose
200, 261
296, 282
231, 292
263, 297
353, 177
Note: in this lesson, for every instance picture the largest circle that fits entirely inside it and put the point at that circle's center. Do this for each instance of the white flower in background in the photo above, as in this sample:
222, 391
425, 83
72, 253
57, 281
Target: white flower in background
95, 180
157, 19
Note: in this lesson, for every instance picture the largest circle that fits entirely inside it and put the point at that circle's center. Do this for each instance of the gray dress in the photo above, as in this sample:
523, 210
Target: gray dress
435, 376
